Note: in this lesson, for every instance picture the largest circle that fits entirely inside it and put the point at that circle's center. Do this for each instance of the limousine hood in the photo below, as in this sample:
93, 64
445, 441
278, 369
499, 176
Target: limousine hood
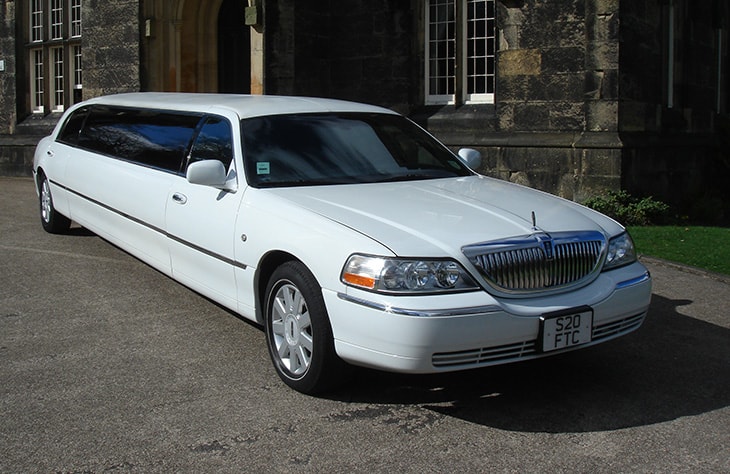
434, 218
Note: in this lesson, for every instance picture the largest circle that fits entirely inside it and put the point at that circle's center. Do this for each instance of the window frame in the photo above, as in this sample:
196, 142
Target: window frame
56, 21
37, 80
57, 78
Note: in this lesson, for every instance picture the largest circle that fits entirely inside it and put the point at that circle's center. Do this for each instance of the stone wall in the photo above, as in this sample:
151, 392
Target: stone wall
675, 144
579, 100
372, 58
555, 121
356, 50
284, 45
16, 155
554, 125
644, 63
541, 66
7, 75
110, 47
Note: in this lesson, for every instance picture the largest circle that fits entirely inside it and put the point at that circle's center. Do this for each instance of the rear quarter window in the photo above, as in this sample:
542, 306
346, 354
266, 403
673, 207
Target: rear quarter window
72, 127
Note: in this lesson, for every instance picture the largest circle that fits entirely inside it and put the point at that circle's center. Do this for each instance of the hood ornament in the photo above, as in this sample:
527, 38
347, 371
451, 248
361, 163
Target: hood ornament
544, 239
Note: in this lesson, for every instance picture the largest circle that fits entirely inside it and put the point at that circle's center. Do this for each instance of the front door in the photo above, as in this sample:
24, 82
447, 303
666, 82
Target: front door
201, 221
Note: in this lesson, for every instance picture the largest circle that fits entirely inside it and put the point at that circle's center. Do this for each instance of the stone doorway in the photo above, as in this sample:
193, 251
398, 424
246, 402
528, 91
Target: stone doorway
234, 49
201, 46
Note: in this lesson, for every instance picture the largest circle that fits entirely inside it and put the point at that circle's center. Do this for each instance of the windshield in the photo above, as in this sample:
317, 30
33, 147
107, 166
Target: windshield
343, 148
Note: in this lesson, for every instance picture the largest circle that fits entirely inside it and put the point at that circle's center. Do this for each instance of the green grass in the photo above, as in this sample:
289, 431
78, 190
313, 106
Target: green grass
703, 247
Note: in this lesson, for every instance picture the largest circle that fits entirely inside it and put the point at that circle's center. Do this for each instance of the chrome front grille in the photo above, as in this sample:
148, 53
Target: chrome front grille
538, 262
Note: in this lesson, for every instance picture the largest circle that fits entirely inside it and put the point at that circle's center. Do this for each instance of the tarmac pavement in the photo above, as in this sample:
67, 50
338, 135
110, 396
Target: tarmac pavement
108, 365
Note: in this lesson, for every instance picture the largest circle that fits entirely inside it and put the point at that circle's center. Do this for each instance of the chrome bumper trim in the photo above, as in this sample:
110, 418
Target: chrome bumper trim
427, 313
634, 281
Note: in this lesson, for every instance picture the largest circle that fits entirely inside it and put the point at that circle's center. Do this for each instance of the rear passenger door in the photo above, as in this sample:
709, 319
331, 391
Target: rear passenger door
201, 220
119, 174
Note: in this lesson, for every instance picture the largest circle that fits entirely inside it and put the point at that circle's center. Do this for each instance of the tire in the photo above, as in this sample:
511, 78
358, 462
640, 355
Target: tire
298, 332
52, 221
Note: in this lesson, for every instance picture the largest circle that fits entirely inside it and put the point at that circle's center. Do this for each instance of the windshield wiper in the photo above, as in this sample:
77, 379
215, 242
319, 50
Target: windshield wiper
306, 182
407, 177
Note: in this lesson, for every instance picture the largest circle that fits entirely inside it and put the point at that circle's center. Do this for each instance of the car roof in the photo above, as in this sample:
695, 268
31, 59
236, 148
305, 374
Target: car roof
243, 105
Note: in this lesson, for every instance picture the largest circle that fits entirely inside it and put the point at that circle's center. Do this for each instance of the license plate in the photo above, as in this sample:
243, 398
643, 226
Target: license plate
564, 329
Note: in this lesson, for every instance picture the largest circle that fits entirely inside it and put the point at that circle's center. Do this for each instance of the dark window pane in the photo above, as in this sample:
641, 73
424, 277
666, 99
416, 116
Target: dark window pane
149, 137
214, 142
316, 149
70, 132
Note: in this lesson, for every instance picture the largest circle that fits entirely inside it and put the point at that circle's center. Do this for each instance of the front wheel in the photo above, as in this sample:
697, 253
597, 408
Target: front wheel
52, 220
298, 332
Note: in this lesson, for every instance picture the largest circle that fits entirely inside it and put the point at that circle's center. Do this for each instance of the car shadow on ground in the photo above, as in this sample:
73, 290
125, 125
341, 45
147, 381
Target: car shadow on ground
673, 366
77, 230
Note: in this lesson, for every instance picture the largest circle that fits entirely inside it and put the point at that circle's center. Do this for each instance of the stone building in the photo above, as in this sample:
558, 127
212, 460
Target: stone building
574, 97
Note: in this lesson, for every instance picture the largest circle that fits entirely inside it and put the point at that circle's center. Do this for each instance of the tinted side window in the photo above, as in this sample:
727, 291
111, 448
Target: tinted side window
70, 131
150, 137
214, 142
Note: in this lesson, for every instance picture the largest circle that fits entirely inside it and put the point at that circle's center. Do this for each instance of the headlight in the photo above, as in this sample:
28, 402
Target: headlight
620, 252
405, 276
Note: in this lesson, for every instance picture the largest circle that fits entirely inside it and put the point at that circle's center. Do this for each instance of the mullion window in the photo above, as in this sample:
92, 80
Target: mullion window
481, 47
36, 21
58, 79
441, 47
75, 18
37, 80
472, 48
54, 54
56, 18
77, 67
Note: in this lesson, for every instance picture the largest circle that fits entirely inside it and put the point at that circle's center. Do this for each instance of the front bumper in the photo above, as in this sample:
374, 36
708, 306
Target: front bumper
454, 332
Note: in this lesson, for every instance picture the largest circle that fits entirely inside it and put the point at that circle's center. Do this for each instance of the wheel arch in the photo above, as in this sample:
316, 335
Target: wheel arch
268, 264
38, 176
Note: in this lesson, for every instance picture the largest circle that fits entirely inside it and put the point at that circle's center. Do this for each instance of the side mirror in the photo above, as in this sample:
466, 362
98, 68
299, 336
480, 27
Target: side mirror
471, 157
208, 173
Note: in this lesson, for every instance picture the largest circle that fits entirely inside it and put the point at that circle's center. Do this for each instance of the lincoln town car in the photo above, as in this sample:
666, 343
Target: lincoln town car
349, 233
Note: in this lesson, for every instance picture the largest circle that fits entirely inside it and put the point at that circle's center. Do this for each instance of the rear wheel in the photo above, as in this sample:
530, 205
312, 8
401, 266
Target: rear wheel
298, 331
51, 220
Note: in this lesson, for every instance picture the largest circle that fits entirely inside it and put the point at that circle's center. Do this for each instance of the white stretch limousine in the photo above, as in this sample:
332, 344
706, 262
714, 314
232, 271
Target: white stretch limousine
347, 231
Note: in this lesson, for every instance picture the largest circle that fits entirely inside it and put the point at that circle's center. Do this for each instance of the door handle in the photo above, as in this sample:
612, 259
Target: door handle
179, 198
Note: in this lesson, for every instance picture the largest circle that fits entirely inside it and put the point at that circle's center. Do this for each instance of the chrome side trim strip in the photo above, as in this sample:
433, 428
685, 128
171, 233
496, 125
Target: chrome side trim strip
425, 313
170, 236
634, 281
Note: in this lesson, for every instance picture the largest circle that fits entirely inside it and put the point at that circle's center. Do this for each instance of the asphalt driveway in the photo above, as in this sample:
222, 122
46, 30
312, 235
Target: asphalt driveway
108, 365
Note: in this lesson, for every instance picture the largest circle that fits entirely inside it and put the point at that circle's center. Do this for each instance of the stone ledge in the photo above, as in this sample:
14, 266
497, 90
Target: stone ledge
608, 140
19, 140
